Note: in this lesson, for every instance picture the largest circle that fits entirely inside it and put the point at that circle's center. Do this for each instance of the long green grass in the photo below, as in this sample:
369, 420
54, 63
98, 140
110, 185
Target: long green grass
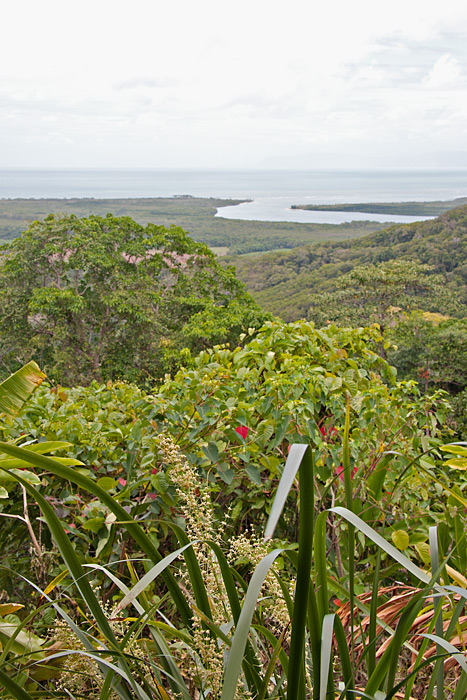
319, 661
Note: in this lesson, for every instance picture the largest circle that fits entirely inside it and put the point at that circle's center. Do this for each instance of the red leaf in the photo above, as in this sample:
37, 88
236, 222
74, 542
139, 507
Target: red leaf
340, 472
242, 430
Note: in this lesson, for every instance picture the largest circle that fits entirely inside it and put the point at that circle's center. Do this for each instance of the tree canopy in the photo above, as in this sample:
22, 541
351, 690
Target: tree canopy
375, 293
102, 298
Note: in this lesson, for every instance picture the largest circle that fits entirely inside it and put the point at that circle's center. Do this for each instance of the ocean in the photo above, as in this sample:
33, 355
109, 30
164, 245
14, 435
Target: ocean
272, 192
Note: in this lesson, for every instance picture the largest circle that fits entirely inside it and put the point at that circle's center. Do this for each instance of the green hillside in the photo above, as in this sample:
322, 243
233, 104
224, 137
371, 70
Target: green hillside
283, 282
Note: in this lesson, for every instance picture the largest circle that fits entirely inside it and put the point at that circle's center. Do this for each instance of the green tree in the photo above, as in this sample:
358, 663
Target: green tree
375, 293
432, 350
102, 298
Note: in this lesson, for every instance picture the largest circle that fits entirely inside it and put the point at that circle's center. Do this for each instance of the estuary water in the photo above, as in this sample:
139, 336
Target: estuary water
272, 192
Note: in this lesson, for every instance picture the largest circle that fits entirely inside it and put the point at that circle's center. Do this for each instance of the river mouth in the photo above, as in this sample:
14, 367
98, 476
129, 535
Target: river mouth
279, 209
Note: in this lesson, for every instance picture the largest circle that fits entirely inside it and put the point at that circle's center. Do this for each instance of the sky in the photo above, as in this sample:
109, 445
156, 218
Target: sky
211, 84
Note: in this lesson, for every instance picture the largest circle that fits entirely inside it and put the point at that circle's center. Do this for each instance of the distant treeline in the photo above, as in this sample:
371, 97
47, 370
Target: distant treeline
195, 215
402, 208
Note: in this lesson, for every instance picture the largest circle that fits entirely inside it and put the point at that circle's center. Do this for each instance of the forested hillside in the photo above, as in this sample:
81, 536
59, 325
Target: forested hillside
283, 282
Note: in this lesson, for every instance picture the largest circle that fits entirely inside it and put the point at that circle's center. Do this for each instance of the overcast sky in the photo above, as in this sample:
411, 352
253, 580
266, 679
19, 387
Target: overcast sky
178, 83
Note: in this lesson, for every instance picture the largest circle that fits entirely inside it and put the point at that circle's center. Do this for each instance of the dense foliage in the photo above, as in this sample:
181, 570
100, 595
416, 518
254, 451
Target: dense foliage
103, 298
195, 465
379, 293
233, 415
133, 561
284, 282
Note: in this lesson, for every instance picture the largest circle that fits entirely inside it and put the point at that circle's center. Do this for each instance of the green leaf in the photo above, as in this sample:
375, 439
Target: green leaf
107, 483
17, 389
281, 430
254, 474
401, 539
291, 468
225, 472
28, 476
159, 482
455, 449
211, 451
94, 524
240, 638
457, 463
24, 641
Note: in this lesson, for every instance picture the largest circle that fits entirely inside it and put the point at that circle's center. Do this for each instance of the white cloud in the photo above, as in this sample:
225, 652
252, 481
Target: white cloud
186, 83
446, 73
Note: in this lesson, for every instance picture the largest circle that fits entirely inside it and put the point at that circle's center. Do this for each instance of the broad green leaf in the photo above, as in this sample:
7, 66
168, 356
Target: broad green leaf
102, 542
94, 524
51, 446
17, 389
24, 641
401, 539
254, 474
455, 449
457, 463
106, 483
22, 464
423, 549
211, 451
28, 476
225, 472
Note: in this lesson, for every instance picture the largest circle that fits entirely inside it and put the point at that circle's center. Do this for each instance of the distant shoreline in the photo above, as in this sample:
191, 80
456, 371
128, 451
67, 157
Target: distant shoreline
429, 208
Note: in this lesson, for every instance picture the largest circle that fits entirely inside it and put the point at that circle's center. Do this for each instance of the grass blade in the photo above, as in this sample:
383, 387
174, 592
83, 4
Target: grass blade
439, 666
371, 649
450, 648
322, 597
291, 468
351, 530
149, 577
228, 580
295, 676
344, 656
326, 649
240, 638
381, 542
194, 571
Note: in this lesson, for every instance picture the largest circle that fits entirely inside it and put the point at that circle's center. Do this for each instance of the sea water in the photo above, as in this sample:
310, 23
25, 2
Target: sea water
272, 192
